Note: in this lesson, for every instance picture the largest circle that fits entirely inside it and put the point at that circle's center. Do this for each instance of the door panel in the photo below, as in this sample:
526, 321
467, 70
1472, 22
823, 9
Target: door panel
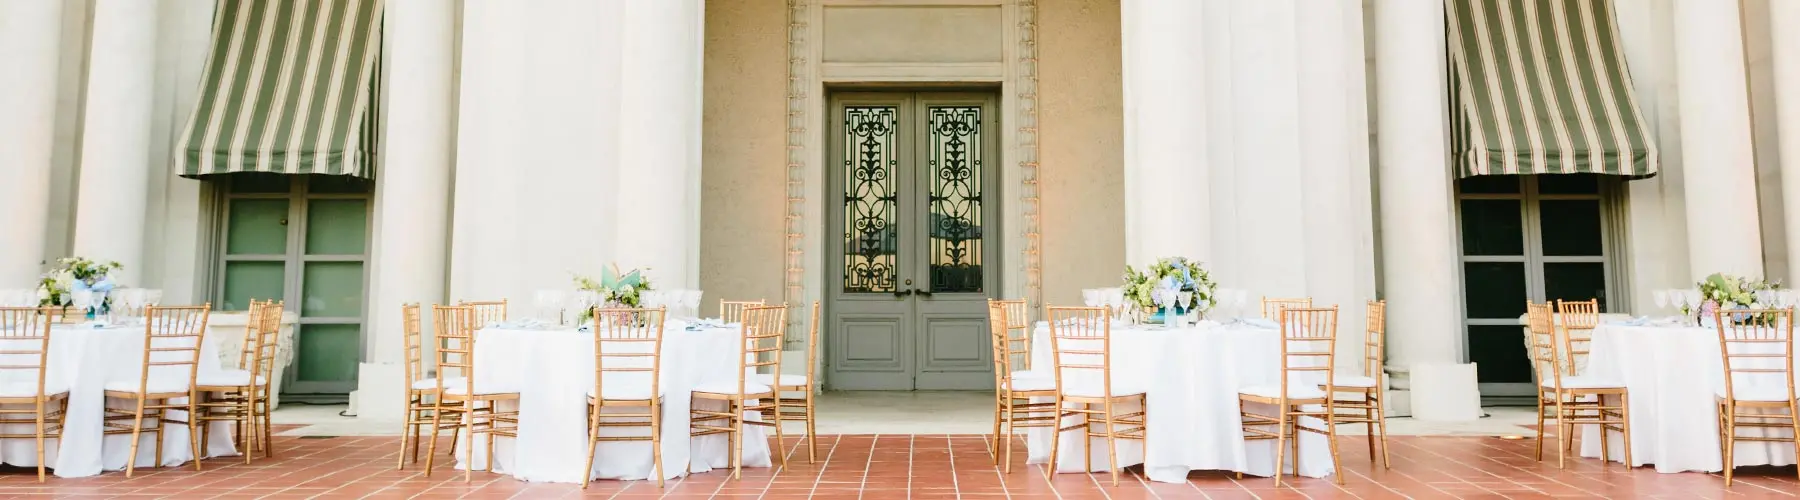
911, 172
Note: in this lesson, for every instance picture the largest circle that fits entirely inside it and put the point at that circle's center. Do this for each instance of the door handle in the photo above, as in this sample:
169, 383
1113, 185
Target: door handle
923, 293
898, 294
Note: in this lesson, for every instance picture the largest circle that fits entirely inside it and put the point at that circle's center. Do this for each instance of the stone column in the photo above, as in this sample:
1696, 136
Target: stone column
1419, 261
29, 36
1720, 172
1784, 24
1165, 131
657, 195
412, 194
113, 187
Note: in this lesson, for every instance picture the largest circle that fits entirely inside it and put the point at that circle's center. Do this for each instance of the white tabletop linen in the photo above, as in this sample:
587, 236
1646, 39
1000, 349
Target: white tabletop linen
1673, 373
83, 359
553, 370
1191, 377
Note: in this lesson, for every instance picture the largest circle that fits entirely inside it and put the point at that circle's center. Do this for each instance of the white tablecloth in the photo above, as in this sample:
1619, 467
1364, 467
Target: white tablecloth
1192, 376
554, 370
86, 358
1672, 373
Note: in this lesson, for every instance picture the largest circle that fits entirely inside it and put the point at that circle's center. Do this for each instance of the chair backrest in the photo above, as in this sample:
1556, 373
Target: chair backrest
455, 327
732, 311
172, 340
486, 312
1375, 342
812, 345
413, 338
266, 330
1308, 347
1579, 318
1018, 332
1081, 345
1757, 348
763, 329
1541, 322
628, 347
997, 342
1271, 308
247, 351
25, 343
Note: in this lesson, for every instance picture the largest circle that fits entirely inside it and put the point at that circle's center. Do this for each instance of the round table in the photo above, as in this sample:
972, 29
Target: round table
1192, 376
553, 369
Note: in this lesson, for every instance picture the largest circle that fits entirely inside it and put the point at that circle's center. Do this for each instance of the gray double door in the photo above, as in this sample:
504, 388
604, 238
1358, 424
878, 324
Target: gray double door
913, 236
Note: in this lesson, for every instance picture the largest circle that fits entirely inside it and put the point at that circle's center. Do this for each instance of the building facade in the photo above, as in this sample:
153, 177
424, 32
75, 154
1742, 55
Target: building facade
901, 160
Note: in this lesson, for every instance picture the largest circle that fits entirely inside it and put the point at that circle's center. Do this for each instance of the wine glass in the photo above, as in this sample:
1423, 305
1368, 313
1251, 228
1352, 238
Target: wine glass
1662, 299
1090, 297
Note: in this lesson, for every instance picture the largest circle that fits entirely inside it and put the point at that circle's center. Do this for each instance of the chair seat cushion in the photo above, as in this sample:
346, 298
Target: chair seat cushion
1273, 391
731, 387
156, 386
1759, 393
432, 383
28, 389
229, 378
461, 388
1584, 382
624, 392
788, 380
1355, 381
1032, 381
1091, 388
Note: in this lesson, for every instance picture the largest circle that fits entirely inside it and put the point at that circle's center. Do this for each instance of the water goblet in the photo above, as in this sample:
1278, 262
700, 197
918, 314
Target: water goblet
1090, 297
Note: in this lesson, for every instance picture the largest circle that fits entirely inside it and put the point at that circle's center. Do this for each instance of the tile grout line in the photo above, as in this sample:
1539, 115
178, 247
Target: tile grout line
870, 464
821, 473
950, 453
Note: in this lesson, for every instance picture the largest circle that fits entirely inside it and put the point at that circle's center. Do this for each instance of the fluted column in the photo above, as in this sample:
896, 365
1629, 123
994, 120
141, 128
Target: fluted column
1165, 131
1719, 170
657, 194
113, 187
1419, 256
29, 34
1784, 21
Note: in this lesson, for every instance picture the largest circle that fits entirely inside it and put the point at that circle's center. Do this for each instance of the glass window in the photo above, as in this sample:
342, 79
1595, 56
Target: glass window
332, 289
337, 184
1492, 227
1575, 281
1568, 184
1490, 184
1570, 227
328, 352
1495, 290
245, 280
336, 226
257, 226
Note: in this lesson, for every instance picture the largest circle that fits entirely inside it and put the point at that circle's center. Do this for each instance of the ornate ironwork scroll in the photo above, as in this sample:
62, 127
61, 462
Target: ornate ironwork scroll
955, 198
871, 198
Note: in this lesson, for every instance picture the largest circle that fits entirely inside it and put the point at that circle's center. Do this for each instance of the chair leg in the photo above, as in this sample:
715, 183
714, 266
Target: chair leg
437, 416
137, 429
656, 440
812, 436
1087, 439
1056, 415
1625, 426
780, 449
1337, 462
1540, 426
1794, 419
1730, 441
999, 408
736, 420
593, 434
250, 430
1562, 433
1112, 448
1381, 424
407, 434
40, 438
1012, 425
194, 425
1281, 435
162, 422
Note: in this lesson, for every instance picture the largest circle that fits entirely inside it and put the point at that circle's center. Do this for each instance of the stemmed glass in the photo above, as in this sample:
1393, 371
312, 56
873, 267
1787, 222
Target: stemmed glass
82, 300
549, 305
1091, 297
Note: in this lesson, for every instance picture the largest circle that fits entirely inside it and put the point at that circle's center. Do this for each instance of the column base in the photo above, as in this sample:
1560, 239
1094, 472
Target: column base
379, 395
1442, 392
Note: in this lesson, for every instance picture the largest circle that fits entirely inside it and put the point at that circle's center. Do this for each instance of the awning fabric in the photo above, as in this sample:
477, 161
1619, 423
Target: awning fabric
289, 87
1541, 87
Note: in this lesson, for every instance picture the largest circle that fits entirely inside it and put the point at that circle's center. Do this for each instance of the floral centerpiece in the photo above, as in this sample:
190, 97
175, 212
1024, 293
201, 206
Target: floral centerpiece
616, 289
74, 274
1725, 291
1177, 273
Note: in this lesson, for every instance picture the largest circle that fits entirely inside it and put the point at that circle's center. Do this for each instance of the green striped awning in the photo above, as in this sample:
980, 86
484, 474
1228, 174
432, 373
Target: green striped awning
289, 87
1541, 87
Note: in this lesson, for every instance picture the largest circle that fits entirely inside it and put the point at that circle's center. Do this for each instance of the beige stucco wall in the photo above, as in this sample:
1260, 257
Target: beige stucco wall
1081, 151
744, 152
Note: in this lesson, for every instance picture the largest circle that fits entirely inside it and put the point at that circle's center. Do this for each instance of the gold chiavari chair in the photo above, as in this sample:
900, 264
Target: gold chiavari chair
627, 363
1014, 387
1271, 308
241, 396
487, 312
471, 409
1308, 356
763, 328
1579, 318
1018, 324
1081, 345
421, 391
172, 340
1757, 348
1571, 399
1367, 408
798, 409
24, 361
732, 311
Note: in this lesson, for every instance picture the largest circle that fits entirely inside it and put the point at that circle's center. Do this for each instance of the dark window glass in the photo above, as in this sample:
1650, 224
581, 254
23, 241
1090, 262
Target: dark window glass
1490, 184
1499, 354
337, 184
1570, 227
1575, 281
1495, 290
1492, 227
259, 183
1568, 184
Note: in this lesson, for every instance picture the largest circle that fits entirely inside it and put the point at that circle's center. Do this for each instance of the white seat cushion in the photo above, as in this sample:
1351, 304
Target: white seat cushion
431, 383
786, 380
731, 387
1584, 382
1273, 391
1032, 381
1090, 388
1762, 393
28, 389
461, 388
1354, 381
231, 378
156, 386
619, 392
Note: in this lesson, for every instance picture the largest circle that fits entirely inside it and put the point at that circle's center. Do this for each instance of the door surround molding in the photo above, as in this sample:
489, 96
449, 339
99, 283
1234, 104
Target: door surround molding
808, 79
